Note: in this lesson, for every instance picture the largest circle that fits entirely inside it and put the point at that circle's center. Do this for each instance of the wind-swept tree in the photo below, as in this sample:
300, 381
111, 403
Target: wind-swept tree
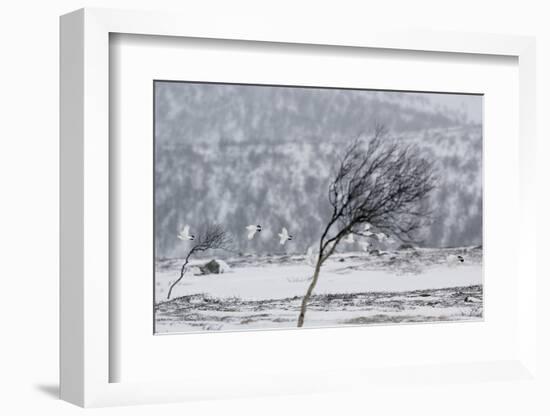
379, 181
210, 237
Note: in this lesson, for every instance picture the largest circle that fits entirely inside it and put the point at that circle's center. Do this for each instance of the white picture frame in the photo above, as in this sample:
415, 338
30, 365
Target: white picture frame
85, 220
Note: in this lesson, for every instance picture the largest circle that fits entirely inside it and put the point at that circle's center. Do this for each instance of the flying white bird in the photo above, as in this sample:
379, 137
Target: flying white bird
284, 236
453, 259
366, 231
364, 245
184, 234
252, 229
311, 257
349, 239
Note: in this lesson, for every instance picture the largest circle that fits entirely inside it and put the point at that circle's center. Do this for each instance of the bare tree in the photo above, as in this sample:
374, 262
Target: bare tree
211, 237
381, 182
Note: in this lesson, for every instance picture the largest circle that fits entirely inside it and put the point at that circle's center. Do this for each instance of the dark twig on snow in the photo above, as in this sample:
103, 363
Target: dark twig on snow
211, 237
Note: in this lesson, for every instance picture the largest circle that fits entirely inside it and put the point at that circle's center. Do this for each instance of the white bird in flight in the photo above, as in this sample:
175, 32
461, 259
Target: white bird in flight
349, 239
252, 229
366, 231
184, 234
311, 257
454, 259
284, 236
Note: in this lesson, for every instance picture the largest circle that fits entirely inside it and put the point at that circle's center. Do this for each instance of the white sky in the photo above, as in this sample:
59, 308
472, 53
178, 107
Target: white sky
470, 105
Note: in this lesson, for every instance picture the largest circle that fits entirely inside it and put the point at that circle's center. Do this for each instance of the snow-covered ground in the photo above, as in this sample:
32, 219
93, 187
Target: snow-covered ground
415, 285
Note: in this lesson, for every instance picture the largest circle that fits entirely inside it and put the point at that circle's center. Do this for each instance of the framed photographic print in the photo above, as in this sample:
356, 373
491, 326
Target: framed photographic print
353, 206
295, 199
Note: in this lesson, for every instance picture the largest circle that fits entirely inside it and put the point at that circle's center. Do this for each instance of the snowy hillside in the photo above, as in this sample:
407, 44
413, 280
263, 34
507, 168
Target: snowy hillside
285, 184
240, 154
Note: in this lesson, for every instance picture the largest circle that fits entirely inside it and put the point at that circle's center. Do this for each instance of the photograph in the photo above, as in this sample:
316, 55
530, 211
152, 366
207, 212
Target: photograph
283, 207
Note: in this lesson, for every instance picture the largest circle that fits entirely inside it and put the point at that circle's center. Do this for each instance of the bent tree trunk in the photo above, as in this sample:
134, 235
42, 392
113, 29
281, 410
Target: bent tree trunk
182, 272
305, 300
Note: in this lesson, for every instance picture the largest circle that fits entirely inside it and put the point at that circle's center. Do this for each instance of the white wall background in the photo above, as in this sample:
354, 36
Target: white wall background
29, 204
